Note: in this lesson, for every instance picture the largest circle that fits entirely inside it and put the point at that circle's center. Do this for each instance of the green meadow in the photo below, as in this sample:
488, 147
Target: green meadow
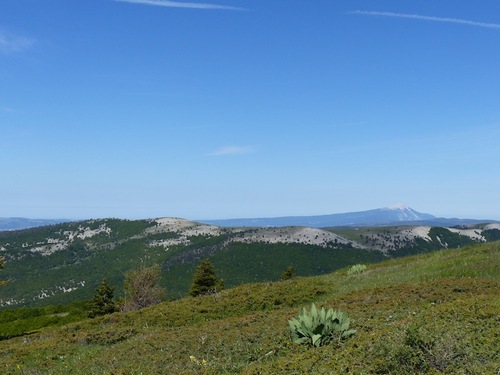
432, 313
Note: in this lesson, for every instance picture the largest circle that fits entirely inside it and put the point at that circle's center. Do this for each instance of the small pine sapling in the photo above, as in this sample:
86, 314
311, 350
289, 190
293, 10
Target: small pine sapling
102, 303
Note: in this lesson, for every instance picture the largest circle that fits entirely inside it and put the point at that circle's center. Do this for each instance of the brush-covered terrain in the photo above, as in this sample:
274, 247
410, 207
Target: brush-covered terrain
437, 312
65, 263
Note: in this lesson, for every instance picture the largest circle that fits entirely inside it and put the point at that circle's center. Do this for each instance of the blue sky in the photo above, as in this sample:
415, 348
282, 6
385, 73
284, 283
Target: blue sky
248, 108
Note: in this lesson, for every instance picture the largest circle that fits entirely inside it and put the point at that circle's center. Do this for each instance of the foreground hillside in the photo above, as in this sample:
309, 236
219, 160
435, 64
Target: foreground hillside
432, 313
50, 265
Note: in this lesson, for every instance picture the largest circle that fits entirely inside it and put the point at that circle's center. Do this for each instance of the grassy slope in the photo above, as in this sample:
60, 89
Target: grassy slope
17, 322
422, 314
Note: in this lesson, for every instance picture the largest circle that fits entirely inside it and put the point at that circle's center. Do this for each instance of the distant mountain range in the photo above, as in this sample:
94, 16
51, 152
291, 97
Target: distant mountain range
397, 215
14, 223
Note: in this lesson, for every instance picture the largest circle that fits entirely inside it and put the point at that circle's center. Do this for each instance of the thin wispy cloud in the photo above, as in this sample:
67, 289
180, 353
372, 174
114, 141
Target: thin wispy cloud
6, 110
430, 18
232, 150
10, 43
180, 4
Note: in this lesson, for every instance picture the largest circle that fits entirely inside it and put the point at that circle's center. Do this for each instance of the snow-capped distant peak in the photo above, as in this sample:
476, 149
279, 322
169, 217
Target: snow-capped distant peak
399, 206
401, 212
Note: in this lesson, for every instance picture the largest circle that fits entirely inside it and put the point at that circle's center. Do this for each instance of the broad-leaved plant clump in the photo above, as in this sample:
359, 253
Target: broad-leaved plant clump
356, 269
319, 327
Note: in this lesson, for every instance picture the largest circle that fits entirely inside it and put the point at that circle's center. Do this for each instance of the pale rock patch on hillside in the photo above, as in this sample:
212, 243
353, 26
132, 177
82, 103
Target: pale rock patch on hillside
46, 293
10, 302
492, 226
83, 233
301, 235
186, 227
52, 245
418, 232
386, 241
50, 248
444, 244
71, 289
183, 228
167, 224
203, 230
474, 234
167, 243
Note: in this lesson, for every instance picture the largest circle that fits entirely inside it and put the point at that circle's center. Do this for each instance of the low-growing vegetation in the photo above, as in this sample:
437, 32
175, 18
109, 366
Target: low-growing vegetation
433, 313
24, 321
319, 327
356, 269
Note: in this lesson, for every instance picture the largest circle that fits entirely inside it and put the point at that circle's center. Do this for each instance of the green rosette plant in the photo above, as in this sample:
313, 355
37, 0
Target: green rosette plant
356, 269
319, 327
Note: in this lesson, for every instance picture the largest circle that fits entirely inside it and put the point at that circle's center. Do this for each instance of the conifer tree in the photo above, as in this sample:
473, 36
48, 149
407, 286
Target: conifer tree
102, 303
204, 279
288, 273
2, 264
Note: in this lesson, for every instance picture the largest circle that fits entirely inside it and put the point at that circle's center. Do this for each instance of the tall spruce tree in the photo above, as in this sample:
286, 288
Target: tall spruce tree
204, 279
102, 303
